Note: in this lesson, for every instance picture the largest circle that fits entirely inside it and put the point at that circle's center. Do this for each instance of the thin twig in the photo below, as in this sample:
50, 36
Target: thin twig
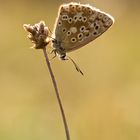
57, 94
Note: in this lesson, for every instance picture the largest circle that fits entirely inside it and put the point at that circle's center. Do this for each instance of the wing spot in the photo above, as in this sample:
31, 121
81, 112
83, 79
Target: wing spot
65, 17
63, 9
100, 15
73, 29
105, 18
83, 8
68, 33
70, 20
72, 7
64, 30
73, 40
60, 23
80, 35
78, 8
82, 28
96, 25
84, 19
108, 23
95, 33
80, 18
75, 18
93, 16
89, 10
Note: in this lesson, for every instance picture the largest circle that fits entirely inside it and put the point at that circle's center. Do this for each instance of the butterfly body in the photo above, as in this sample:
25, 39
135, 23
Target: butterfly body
77, 25
58, 50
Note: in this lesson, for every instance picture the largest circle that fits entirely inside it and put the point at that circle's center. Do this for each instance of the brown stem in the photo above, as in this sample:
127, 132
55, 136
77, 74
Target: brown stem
57, 94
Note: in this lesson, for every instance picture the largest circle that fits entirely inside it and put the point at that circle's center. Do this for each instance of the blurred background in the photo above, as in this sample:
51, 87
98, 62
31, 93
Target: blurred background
104, 104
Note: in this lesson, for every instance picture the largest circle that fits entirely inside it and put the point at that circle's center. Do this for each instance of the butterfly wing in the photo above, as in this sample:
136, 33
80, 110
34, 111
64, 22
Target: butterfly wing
79, 24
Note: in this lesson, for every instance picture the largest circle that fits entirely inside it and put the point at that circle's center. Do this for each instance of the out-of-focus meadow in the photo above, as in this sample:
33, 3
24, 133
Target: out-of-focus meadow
102, 105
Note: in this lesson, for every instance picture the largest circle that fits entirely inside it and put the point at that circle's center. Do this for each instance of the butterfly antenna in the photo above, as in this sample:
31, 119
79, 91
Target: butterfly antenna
51, 37
50, 31
53, 51
51, 34
76, 66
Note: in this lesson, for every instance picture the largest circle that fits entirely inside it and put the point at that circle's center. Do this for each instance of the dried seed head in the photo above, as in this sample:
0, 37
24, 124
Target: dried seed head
38, 34
29, 28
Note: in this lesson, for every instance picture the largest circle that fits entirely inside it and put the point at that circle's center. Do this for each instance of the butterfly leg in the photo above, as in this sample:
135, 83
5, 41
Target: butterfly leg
54, 52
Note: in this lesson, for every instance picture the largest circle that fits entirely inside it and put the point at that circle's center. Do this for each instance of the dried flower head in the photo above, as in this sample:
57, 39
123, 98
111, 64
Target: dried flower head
38, 34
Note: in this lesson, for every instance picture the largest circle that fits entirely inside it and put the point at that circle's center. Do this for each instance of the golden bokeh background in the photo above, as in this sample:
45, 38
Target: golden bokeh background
104, 104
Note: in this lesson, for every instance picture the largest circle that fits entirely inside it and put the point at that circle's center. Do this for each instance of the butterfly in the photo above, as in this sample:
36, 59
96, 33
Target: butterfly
76, 25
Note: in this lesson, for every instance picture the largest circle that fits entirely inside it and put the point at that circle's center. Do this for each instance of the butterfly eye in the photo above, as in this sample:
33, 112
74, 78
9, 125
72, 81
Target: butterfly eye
82, 28
73, 39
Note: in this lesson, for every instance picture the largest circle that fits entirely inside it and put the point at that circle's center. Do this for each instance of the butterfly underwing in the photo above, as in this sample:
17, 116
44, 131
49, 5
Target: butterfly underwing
76, 25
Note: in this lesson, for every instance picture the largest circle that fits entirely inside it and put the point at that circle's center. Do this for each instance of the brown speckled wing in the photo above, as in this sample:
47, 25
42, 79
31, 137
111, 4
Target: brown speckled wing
79, 24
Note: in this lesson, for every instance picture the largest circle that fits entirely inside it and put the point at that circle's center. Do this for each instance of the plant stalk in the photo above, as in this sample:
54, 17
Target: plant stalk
57, 94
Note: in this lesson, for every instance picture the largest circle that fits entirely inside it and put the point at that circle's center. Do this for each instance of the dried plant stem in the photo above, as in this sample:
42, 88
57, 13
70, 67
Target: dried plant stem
38, 34
57, 94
